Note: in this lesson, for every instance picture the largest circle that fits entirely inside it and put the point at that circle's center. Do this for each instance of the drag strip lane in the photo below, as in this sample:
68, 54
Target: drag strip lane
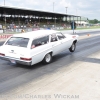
14, 76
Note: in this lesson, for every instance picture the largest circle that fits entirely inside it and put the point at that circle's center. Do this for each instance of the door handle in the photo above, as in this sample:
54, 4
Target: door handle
54, 45
61, 42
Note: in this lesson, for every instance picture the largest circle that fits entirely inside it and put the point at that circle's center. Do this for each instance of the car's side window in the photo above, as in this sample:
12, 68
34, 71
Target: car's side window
60, 36
40, 41
53, 38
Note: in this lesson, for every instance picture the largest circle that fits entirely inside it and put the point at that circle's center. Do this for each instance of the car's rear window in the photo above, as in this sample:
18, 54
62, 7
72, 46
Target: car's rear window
18, 41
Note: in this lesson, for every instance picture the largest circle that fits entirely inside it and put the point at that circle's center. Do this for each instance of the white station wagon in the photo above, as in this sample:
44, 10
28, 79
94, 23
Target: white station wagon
36, 46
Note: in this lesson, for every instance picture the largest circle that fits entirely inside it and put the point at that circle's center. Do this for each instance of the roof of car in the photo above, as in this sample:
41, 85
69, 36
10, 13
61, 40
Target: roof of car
35, 34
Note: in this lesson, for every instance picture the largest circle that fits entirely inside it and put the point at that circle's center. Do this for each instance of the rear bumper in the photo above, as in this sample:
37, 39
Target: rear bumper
16, 60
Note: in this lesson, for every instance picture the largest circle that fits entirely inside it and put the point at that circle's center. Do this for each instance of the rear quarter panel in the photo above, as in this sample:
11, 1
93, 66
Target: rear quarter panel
38, 53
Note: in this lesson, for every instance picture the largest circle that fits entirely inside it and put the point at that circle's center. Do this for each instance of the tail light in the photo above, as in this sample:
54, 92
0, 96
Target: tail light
2, 54
27, 59
73, 36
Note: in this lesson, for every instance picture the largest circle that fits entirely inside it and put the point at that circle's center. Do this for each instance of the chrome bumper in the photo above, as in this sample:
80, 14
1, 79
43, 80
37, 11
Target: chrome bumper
16, 60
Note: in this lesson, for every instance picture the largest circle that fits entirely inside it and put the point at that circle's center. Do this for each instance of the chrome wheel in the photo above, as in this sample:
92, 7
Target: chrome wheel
73, 46
47, 58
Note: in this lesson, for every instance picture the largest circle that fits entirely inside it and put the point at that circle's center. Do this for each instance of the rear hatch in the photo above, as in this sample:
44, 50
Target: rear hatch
16, 47
15, 52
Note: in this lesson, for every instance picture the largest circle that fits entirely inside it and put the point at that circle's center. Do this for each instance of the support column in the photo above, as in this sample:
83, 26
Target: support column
80, 21
55, 21
77, 20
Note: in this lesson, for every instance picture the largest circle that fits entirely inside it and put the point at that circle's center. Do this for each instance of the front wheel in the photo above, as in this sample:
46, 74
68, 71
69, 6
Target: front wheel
48, 58
73, 47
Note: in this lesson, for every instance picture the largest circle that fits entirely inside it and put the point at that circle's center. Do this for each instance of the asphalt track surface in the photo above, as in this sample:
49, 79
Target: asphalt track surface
14, 76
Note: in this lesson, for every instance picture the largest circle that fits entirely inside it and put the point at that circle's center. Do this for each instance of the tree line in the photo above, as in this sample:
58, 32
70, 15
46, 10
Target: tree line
94, 21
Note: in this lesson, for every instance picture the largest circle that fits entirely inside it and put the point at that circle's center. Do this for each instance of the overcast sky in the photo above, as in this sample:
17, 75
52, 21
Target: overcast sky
85, 8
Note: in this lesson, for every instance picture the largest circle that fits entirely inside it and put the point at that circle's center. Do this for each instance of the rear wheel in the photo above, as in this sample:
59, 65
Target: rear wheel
73, 47
48, 58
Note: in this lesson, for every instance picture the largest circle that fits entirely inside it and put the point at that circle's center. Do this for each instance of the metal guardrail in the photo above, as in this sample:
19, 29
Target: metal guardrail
19, 30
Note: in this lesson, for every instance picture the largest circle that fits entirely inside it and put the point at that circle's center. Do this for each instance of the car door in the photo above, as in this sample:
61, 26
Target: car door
65, 41
55, 44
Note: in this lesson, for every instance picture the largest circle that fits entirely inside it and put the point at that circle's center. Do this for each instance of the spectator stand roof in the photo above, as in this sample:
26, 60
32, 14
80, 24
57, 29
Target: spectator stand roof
5, 10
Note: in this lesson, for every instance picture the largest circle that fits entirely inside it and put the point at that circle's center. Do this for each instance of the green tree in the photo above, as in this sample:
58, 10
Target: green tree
98, 21
95, 21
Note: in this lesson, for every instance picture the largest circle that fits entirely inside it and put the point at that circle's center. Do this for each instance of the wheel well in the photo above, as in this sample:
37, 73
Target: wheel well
51, 53
75, 41
45, 55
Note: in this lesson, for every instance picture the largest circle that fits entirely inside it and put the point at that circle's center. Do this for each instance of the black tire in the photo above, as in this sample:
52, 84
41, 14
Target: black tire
73, 47
48, 58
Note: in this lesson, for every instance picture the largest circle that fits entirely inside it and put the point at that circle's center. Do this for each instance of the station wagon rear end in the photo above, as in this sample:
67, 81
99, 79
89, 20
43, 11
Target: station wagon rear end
33, 47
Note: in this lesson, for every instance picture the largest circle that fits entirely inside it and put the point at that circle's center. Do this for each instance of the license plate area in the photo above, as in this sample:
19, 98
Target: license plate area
12, 61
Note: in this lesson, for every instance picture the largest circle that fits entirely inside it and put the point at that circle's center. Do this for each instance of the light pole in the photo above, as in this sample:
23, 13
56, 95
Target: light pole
4, 2
53, 6
66, 16
76, 12
4, 19
66, 9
